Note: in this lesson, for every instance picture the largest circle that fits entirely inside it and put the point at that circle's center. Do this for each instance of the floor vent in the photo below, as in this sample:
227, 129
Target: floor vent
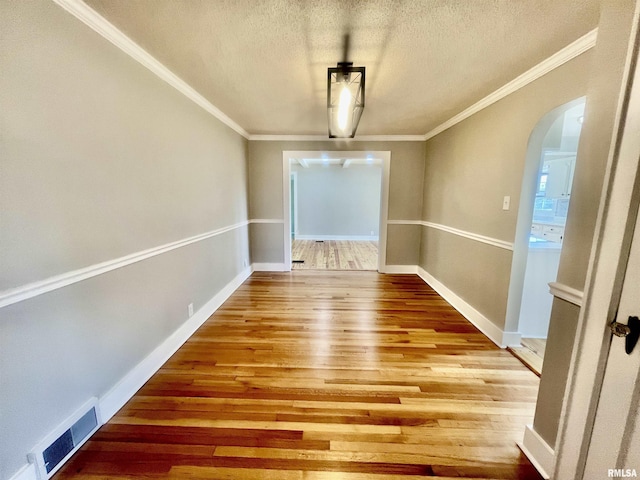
51, 453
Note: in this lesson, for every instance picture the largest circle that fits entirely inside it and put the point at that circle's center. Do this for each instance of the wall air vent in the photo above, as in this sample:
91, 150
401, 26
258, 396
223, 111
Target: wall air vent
51, 453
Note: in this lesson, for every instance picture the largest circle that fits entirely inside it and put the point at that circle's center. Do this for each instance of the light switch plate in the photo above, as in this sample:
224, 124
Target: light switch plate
506, 202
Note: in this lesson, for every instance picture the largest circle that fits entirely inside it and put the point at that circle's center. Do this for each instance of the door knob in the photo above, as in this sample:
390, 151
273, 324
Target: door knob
630, 332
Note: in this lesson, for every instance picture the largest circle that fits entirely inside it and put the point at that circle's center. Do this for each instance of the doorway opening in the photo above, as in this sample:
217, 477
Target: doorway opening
335, 213
544, 205
335, 207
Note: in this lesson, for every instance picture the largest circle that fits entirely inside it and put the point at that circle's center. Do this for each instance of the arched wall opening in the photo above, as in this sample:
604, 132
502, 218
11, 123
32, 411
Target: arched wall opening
534, 199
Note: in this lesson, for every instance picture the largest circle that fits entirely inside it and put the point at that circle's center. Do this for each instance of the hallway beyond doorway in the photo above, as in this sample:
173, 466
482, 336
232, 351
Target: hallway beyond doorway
334, 255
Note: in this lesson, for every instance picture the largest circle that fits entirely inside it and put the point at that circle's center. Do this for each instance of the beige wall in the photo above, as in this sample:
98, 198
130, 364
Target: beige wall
265, 193
616, 19
468, 170
99, 159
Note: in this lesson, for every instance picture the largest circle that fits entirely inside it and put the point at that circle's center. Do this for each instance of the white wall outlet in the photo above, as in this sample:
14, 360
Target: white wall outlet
372, 234
244, 262
506, 202
191, 309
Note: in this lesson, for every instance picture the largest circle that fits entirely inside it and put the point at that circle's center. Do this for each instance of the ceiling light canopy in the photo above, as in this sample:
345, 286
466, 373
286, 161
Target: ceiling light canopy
345, 99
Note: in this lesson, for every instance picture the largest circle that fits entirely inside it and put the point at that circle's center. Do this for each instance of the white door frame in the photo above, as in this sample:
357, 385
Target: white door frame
614, 229
294, 198
384, 156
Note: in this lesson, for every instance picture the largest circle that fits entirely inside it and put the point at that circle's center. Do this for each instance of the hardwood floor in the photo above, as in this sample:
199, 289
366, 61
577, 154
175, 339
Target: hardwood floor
531, 353
334, 255
324, 375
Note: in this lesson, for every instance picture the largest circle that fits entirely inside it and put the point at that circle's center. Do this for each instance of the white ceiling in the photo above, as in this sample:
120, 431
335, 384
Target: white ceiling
264, 62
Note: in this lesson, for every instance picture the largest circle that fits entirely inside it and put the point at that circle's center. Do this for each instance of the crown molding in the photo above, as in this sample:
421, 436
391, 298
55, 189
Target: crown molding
325, 138
559, 58
103, 27
100, 25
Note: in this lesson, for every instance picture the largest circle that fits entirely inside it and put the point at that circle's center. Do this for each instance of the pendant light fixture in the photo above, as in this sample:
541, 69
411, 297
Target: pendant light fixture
345, 99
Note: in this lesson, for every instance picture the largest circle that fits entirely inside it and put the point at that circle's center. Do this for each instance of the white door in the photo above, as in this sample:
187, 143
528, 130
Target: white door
599, 434
614, 451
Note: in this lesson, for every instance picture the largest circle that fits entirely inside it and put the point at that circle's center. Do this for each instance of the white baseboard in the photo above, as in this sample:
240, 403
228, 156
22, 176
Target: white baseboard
361, 238
269, 267
486, 326
538, 452
401, 269
28, 472
115, 398
511, 339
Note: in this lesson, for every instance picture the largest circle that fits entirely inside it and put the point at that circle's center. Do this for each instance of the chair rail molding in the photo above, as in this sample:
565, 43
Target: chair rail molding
496, 242
30, 290
569, 294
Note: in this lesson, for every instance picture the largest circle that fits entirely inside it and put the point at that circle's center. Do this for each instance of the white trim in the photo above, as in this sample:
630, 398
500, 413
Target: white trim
293, 178
27, 472
405, 222
556, 60
569, 294
384, 208
401, 269
270, 267
486, 326
325, 138
286, 208
539, 453
266, 220
355, 238
103, 27
30, 290
115, 398
470, 235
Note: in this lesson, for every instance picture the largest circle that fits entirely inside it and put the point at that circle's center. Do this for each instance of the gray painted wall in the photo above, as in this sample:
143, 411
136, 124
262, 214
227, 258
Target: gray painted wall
468, 170
100, 159
338, 201
265, 194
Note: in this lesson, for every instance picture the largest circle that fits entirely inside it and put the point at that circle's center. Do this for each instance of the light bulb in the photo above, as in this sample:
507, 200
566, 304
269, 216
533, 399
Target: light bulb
343, 107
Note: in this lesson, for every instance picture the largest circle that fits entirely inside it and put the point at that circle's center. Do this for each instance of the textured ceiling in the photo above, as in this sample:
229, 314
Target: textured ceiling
264, 62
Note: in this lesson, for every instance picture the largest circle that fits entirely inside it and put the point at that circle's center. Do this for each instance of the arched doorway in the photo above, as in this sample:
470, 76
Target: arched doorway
544, 204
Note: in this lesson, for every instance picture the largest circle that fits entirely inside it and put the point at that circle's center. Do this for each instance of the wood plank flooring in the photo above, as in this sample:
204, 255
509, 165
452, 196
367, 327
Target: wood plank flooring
531, 353
334, 255
324, 375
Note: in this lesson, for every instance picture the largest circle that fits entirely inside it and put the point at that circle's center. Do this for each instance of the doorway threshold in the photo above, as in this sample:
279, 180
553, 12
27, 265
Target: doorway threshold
530, 353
